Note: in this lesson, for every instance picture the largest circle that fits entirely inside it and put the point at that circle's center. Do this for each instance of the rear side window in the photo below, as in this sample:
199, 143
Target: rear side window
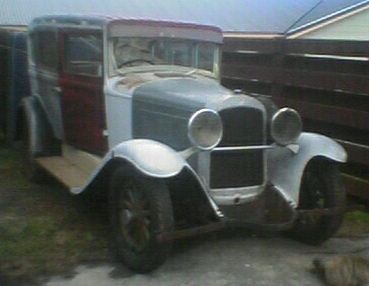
83, 54
44, 49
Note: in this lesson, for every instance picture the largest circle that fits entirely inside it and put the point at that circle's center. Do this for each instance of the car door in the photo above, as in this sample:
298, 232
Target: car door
43, 72
81, 84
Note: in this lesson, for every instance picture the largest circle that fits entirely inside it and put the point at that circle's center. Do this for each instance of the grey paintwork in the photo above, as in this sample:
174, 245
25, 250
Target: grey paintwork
44, 84
154, 107
162, 108
285, 167
39, 132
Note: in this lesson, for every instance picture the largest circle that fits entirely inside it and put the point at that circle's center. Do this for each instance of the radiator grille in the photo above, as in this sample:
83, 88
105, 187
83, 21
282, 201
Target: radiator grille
233, 169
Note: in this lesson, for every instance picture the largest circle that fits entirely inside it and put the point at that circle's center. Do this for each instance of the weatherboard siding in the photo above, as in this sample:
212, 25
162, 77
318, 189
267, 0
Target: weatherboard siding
355, 27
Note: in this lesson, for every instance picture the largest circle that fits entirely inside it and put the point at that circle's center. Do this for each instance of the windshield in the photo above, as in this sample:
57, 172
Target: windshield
131, 52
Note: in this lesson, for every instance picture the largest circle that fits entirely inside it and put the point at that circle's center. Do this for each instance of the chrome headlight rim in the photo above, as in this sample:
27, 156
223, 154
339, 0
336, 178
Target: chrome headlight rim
276, 117
190, 128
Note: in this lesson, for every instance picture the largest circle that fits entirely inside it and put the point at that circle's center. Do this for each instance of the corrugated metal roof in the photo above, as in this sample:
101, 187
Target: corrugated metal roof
262, 16
250, 16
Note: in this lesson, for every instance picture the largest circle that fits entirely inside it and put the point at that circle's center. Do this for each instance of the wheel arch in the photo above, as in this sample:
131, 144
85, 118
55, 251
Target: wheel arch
187, 192
286, 168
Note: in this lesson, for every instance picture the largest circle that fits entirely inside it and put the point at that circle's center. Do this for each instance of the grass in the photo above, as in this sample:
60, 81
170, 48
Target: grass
11, 168
43, 229
356, 223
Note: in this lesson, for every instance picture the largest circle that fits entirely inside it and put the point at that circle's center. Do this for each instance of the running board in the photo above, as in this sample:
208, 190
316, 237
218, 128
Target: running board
64, 171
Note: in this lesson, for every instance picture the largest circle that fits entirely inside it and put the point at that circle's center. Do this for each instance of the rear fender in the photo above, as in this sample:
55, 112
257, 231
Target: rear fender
41, 140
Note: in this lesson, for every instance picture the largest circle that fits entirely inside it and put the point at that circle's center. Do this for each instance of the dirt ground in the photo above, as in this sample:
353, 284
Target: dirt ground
48, 237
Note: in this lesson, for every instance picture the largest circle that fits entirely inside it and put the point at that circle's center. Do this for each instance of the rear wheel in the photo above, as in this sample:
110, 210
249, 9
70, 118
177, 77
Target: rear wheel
140, 209
321, 187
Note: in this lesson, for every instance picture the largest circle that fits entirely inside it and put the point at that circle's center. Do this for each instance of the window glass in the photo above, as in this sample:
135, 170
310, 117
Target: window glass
181, 54
129, 52
206, 56
83, 54
44, 48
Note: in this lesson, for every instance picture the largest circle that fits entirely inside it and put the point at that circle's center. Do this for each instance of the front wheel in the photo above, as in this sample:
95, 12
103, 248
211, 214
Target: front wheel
321, 187
140, 209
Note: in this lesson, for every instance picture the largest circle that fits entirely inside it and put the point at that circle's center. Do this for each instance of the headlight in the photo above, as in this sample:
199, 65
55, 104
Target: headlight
286, 126
205, 129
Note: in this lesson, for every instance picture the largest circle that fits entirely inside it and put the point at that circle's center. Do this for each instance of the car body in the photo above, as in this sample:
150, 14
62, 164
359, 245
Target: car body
141, 99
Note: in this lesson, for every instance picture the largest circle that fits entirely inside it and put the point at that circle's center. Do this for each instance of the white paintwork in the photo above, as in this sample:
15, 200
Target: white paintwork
285, 168
353, 26
228, 196
149, 157
118, 113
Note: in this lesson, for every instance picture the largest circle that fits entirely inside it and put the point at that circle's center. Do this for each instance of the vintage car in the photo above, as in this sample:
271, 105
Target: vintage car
133, 109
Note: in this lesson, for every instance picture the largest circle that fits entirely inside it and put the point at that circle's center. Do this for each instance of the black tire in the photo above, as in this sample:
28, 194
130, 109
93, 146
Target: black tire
321, 187
140, 209
32, 171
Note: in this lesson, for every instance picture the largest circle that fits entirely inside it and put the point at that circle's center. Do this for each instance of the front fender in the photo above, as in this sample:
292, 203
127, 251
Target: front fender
150, 157
285, 168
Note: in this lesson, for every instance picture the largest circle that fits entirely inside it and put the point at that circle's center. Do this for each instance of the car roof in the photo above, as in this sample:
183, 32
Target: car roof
103, 20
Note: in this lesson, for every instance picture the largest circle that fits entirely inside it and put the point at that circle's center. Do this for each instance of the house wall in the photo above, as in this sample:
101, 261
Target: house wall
355, 27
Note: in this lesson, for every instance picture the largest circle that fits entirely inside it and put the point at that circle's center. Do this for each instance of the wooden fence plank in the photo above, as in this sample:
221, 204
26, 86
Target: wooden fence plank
269, 46
328, 47
356, 186
331, 114
326, 81
248, 72
358, 84
357, 153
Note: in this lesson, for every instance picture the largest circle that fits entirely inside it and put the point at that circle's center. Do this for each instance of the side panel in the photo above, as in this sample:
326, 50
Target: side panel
40, 134
119, 115
44, 76
285, 167
81, 85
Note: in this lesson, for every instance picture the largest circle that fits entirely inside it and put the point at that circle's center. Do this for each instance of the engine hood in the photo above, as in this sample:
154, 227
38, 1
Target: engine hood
161, 108
185, 93
190, 94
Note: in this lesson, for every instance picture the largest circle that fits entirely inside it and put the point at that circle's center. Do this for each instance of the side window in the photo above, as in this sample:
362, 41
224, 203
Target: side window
44, 49
83, 55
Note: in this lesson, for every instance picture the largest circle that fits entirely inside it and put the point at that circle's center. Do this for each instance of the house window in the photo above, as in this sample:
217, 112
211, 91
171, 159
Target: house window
83, 55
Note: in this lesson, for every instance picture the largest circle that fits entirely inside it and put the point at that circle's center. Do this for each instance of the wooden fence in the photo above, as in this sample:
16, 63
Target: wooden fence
326, 81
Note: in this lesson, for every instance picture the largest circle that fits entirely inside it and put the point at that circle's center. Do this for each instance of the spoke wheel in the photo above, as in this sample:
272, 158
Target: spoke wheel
321, 187
140, 209
135, 217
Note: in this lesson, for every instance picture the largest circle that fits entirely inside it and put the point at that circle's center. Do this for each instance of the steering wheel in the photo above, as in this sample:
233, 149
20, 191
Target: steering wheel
133, 61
